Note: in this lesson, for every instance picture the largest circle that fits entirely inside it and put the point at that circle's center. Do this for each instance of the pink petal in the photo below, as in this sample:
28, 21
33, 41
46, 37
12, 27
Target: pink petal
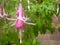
17, 13
19, 24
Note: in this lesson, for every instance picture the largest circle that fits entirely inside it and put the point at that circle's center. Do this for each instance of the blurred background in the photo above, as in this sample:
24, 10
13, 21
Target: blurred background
46, 15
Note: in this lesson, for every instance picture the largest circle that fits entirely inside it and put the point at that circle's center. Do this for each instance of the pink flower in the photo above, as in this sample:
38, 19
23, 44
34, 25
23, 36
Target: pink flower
4, 16
19, 24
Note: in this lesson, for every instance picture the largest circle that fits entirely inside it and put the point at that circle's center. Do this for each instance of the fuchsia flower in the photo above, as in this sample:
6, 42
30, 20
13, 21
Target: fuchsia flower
4, 14
20, 20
